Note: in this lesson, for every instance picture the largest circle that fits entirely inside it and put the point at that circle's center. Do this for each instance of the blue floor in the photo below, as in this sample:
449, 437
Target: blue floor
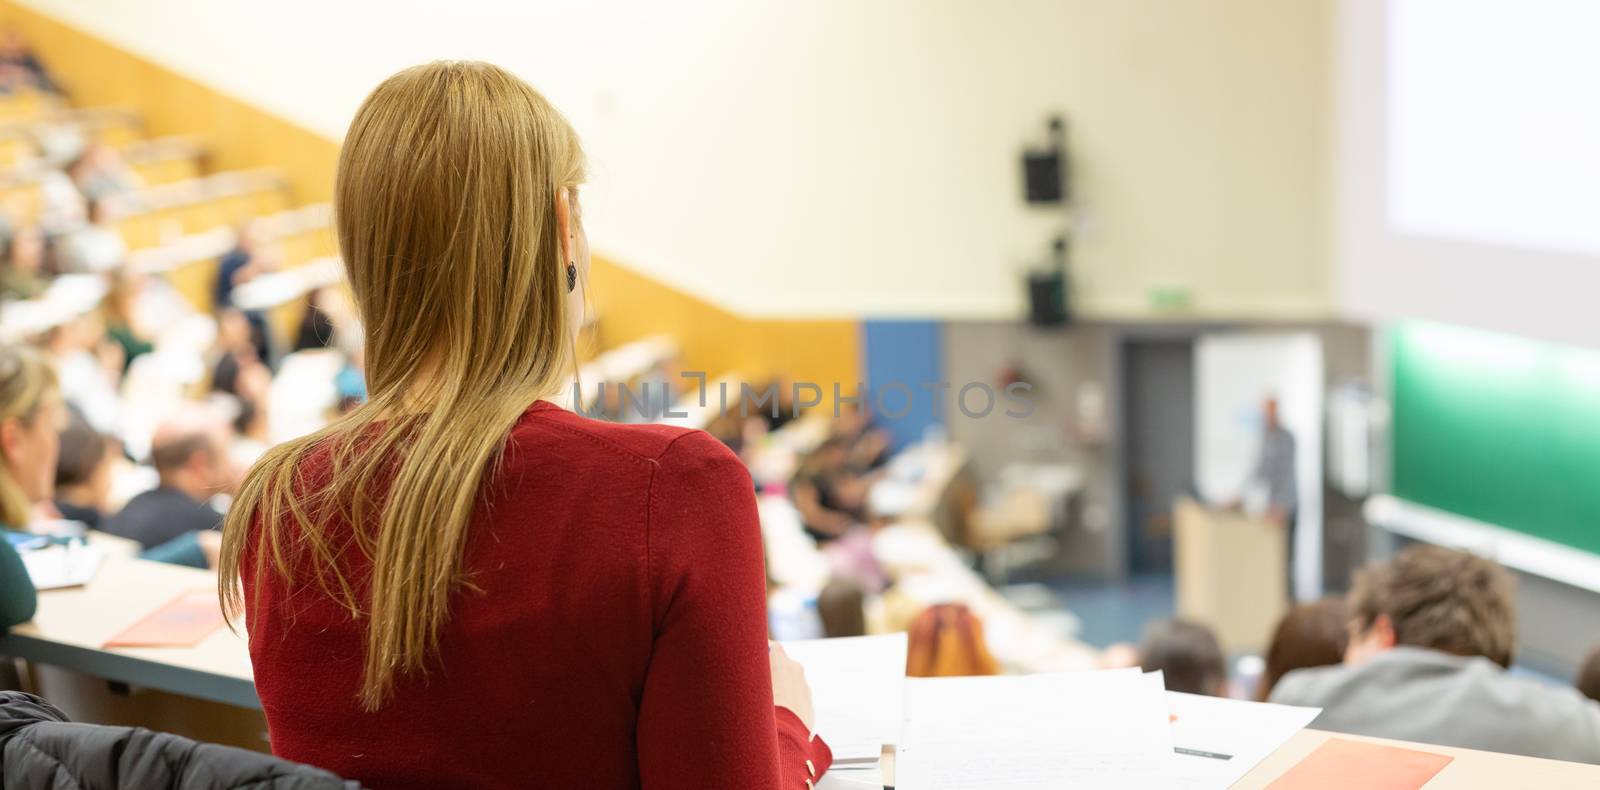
1117, 612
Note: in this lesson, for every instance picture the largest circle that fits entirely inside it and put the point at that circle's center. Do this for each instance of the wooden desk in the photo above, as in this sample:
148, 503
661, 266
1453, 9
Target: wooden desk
72, 624
1470, 770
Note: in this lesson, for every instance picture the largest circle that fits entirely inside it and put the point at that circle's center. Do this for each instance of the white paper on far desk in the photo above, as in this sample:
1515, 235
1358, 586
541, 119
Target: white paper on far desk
1219, 740
1106, 729
856, 690
62, 566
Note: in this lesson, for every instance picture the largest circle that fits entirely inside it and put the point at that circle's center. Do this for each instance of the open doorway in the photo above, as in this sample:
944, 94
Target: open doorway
1158, 431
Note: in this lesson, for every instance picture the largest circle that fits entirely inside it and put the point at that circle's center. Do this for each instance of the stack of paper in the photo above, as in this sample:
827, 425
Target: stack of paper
856, 691
1108, 729
1031, 732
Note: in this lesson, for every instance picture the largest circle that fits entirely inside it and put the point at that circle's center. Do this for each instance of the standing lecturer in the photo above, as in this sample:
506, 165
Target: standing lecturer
1275, 473
460, 584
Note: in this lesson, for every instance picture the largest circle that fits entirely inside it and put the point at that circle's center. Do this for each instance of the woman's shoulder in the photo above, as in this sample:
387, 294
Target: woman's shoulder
655, 444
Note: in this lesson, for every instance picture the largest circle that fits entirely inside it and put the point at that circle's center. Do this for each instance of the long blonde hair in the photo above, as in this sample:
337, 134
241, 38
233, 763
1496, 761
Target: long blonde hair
26, 380
445, 206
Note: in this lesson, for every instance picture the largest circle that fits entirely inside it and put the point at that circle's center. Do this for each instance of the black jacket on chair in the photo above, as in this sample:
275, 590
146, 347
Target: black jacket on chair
39, 748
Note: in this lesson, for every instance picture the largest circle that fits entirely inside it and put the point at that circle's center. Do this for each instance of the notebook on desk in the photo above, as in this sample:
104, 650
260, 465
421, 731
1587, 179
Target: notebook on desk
62, 565
182, 622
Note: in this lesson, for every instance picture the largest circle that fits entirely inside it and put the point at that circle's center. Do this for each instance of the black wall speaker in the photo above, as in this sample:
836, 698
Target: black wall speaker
1044, 170
1048, 291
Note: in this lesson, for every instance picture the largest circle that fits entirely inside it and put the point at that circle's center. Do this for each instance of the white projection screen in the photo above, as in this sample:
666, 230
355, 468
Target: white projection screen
1469, 164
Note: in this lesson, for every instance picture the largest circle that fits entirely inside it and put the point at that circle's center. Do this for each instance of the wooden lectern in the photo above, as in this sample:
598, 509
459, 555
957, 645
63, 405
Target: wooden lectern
1231, 574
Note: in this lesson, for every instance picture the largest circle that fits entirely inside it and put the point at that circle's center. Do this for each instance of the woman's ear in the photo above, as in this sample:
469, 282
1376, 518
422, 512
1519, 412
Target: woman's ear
564, 225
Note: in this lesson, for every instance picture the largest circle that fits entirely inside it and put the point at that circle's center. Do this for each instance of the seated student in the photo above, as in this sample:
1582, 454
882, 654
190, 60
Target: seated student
22, 274
842, 607
83, 473
238, 368
122, 316
1588, 679
1311, 635
99, 173
31, 417
460, 583
190, 453
89, 366
946, 640
94, 247
870, 444
830, 495
22, 67
252, 256
316, 328
1187, 655
1432, 633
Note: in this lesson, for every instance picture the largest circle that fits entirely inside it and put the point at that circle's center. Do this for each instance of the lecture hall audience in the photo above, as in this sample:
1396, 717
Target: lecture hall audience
1432, 634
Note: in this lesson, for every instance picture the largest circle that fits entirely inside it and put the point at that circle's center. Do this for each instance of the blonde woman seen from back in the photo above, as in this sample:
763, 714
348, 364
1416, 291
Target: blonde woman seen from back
31, 416
461, 584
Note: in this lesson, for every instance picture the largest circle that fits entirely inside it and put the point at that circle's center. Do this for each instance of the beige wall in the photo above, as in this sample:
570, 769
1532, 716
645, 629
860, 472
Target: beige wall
842, 158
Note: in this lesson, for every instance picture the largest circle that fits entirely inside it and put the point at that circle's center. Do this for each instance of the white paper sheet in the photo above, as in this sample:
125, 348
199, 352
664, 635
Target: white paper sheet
857, 691
1218, 741
1106, 729
62, 566
852, 778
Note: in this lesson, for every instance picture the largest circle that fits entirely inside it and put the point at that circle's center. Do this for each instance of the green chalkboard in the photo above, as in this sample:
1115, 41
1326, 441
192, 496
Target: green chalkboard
1497, 428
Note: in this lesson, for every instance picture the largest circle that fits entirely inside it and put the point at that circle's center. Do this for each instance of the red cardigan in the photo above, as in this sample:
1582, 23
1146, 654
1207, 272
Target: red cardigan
619, 640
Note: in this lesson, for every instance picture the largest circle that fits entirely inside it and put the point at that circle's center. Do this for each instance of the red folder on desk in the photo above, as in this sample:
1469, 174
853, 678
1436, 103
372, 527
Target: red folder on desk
182, 622
1339, 764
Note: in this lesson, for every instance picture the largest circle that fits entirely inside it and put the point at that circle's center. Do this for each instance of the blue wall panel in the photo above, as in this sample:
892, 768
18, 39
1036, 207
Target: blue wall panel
902, 361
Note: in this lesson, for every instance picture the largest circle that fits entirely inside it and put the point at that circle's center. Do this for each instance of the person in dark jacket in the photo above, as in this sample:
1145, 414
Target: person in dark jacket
190, 453
83, 472
40, 748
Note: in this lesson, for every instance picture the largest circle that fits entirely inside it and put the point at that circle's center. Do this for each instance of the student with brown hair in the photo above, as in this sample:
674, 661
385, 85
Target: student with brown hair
1588, 678
459, 583
83, 473
1311, 635
841, 605
946, 640
1188, 656
1431, 634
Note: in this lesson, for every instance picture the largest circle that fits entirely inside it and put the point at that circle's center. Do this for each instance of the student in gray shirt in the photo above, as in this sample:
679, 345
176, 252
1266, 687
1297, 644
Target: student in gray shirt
1431, 636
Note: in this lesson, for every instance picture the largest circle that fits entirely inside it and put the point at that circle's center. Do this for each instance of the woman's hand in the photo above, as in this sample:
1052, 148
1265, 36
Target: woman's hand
789, 687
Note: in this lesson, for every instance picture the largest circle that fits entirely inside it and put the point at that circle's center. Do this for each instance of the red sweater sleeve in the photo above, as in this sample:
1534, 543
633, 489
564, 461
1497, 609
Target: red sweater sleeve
706, 719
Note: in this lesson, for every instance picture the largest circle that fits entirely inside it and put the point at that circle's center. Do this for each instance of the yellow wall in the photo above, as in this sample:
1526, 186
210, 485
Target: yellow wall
630, 306
238, 135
